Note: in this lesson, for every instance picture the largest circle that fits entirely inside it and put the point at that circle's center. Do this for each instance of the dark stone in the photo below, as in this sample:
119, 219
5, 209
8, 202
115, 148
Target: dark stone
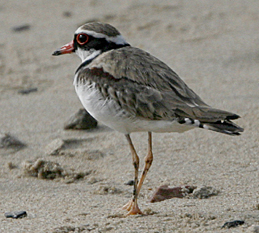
27, 91
17, 214
9, 141
20, 28
232, 224
67, 14
81, 120
130, 182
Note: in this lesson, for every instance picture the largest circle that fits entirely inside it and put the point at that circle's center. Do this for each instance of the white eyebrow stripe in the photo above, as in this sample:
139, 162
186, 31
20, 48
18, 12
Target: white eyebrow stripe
115, 39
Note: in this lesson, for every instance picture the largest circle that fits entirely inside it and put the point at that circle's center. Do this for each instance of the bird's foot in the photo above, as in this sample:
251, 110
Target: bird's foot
128, 205
132, 207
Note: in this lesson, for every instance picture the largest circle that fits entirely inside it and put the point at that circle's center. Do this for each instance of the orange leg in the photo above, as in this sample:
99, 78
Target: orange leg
132, 205
148, 163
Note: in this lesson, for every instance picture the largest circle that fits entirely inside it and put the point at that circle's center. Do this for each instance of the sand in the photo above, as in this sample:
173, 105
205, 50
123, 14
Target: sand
212, 45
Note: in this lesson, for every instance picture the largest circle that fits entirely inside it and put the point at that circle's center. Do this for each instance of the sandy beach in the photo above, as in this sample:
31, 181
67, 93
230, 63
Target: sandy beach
214, 48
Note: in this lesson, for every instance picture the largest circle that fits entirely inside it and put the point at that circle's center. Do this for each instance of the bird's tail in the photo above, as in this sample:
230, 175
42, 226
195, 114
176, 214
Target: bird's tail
226, 127
222, 126
211, 119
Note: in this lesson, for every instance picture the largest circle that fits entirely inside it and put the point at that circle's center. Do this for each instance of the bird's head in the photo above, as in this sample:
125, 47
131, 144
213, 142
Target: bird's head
92, 39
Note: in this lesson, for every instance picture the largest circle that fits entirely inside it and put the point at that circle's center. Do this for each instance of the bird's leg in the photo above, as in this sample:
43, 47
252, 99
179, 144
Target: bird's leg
148, 162
132, 205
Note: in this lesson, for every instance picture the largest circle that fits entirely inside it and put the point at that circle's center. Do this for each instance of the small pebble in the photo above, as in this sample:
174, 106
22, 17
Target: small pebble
55, 146
205, 192
17, 214
27, 91
130, 182
67, 14
81, 120
24, 27
9, 141
11, 165
92, 180
164, 192
232, 224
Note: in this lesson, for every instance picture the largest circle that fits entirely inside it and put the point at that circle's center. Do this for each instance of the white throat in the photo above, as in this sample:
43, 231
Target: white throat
86, 55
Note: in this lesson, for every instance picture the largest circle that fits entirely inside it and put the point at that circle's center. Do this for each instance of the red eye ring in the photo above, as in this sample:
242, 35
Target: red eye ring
82, 38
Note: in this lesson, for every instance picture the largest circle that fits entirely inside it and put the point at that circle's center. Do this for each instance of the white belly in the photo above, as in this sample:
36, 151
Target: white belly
111, 114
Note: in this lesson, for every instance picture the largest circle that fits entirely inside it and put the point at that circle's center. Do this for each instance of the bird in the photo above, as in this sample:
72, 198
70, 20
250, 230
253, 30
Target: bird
129, 90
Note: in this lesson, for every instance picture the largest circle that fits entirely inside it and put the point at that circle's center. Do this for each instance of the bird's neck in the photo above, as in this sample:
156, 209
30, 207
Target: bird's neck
88, 58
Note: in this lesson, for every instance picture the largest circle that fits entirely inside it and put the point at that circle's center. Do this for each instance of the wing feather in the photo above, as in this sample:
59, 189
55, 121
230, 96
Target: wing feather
146, 87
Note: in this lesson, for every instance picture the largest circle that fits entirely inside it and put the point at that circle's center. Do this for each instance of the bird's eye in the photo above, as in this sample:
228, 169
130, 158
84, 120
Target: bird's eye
82, 38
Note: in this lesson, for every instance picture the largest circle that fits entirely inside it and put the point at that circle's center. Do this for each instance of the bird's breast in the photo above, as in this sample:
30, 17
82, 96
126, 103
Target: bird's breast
104, 109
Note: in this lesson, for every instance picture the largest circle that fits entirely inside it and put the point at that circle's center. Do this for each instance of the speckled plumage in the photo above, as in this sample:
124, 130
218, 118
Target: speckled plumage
147, 89
130, 90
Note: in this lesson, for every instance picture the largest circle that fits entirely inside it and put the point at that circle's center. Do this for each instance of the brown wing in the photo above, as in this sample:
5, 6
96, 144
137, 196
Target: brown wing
147, 87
